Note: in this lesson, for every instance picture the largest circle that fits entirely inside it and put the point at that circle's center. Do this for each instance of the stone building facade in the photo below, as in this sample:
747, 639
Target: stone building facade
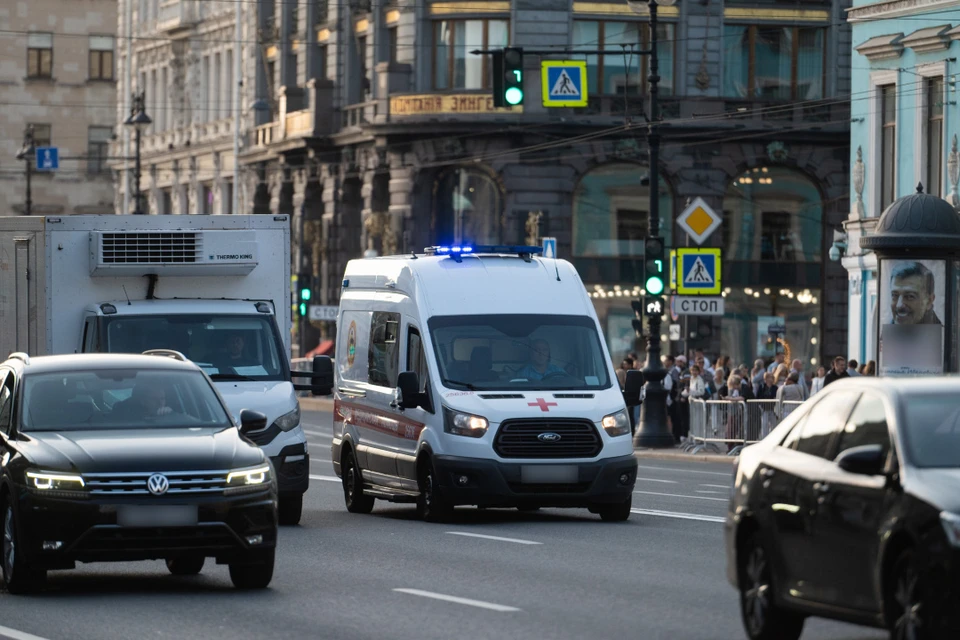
58, 75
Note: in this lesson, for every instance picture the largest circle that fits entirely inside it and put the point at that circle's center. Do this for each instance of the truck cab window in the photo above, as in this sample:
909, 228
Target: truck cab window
91, 343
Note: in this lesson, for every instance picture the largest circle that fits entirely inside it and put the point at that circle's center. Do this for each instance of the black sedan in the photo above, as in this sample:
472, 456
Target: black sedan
128, 457
850, 509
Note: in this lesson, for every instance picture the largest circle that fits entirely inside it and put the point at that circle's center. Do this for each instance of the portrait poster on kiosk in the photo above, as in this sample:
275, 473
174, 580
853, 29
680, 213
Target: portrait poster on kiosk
911, 305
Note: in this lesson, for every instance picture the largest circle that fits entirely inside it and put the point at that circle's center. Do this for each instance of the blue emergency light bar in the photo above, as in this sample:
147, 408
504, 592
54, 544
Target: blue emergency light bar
518, 249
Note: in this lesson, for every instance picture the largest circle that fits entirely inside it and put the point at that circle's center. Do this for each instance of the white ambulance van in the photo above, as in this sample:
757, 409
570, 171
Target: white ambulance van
478, 376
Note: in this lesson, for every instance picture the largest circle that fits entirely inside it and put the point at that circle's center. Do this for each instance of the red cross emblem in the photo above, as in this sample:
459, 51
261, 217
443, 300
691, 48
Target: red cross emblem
542, 404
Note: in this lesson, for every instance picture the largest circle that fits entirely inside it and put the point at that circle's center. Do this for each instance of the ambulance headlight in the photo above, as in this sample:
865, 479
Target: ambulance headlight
617, 424
464, 424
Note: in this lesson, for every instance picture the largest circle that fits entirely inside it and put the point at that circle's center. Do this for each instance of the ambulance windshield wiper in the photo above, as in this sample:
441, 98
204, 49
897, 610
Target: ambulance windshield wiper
462, 384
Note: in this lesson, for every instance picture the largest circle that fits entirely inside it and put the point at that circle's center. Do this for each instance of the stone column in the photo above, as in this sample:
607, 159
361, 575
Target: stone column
401, 204
193, 189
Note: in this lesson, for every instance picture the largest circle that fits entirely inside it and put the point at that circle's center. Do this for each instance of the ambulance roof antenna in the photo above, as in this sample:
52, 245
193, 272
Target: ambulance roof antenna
557, 268
126, 295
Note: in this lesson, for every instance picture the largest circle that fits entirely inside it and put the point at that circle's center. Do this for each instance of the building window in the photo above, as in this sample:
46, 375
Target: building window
467, 208
774, 63
40, 55
322, 71
624, 74
453, 66
611, 212
41, 135
934, 141
101, 57
98, 146
392, 43
772, 214
888, 144
362, 59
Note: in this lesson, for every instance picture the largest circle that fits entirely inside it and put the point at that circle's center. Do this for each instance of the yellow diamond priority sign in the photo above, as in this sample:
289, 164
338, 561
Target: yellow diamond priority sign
699, 221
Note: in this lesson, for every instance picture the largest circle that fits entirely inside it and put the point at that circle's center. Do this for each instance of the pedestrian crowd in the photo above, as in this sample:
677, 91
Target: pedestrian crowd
701, 378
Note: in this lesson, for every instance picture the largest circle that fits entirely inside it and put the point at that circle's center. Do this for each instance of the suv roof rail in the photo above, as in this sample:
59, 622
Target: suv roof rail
166, 353
19, 355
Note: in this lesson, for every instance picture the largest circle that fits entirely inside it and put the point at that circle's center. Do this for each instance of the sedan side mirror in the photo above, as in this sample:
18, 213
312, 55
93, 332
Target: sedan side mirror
408, 383
251, 421
867, 460
632, 387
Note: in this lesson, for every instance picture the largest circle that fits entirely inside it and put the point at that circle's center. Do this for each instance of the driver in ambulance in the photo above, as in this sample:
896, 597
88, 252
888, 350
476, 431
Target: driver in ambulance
539, 366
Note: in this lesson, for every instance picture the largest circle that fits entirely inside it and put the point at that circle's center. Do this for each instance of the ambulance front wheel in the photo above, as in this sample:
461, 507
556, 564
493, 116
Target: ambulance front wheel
431, 504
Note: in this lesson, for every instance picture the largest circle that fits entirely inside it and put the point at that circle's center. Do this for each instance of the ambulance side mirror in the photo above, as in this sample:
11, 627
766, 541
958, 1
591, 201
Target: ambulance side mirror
632, 387
408, 383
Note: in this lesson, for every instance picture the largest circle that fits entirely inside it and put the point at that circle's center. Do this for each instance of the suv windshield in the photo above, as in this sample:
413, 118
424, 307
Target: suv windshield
932, 431
226, 347
119, 399
522, 352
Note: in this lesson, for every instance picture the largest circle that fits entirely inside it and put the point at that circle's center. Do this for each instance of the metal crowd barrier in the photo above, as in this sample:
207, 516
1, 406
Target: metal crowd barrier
726, 426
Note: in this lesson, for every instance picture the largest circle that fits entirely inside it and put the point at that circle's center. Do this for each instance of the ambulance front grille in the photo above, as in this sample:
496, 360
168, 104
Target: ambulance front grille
520, 439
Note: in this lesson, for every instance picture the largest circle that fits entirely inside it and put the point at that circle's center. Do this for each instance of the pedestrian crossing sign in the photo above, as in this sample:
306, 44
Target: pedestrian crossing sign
564, 83
698, 271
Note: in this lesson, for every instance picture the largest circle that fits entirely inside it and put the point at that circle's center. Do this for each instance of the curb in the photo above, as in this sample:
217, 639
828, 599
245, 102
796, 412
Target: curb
679, 456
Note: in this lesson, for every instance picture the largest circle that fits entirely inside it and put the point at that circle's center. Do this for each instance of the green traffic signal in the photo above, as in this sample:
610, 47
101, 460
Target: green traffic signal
514, 96
654, 285
303, 309
305, 294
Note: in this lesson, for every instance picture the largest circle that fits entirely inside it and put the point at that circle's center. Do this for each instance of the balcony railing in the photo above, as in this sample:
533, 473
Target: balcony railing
299, 123
357, 115
267, 134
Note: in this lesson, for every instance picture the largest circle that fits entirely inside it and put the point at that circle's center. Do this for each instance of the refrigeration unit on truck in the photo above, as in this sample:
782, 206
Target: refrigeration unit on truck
215, 288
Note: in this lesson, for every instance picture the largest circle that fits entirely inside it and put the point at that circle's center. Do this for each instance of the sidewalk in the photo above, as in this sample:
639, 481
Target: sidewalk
326, 404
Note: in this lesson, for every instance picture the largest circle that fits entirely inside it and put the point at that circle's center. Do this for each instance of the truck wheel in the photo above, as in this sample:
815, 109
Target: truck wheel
19, 577
615, 512
353, 496
430, 503
188, 566
290, 509
253, 575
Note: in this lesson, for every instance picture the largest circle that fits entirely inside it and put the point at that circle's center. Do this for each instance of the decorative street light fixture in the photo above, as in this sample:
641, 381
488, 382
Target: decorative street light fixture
139, 120
652, 430
27, 153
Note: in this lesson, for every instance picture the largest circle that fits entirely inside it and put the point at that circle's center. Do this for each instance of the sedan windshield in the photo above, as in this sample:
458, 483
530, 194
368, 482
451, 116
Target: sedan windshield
226, 347
522, 352
119, 399
932, 432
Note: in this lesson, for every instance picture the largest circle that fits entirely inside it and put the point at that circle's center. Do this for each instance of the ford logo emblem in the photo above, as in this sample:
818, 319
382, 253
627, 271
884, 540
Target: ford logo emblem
548, 437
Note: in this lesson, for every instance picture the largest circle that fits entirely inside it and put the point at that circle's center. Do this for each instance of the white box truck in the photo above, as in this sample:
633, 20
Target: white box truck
215, 288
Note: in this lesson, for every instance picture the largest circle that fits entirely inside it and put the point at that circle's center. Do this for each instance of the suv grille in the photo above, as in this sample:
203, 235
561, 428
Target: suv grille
154, 247
519, 439
135, 484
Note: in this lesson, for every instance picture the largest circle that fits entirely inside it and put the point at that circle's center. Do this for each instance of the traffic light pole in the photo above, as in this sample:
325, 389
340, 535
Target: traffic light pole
652, 430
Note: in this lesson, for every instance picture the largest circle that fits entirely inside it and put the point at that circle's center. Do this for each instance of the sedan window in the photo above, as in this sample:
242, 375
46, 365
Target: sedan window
825, 419
867, 425
931, 430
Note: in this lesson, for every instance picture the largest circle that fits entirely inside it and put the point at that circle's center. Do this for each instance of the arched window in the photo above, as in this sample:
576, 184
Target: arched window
611, 212
772, 214
468, 206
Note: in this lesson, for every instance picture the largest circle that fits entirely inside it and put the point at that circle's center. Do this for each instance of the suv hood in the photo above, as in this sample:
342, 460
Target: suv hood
157, 450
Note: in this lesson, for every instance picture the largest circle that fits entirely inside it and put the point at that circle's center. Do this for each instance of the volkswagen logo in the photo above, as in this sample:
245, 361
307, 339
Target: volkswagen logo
549, 437
158, 484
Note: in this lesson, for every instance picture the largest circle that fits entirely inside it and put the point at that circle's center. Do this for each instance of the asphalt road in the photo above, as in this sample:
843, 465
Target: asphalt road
490, 574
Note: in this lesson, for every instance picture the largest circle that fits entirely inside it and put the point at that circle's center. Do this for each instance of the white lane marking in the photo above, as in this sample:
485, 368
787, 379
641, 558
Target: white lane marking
497, 538
472, 603
677, 495
13, 634
674, 514
658, 480
708, 473
327, 478
708, 491
716, 486
316, 434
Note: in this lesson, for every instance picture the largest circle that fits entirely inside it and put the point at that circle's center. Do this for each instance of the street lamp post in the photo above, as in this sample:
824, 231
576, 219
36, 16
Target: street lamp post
652, 430
139, 120
27, 153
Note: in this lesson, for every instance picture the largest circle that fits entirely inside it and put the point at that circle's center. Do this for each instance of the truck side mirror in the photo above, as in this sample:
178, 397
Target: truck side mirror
322, 380
251, 421
408, 383
632, 387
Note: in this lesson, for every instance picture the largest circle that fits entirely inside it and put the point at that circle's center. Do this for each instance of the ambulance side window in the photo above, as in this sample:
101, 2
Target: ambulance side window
384, 354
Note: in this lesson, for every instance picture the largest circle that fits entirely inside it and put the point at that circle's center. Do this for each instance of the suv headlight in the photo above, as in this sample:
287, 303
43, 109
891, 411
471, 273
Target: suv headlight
616, 424
464, 424
253, 476
288, 421
46, 480
951, 526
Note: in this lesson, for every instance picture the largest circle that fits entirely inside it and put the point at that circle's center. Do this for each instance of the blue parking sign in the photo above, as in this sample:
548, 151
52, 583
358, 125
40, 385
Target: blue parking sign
48, 158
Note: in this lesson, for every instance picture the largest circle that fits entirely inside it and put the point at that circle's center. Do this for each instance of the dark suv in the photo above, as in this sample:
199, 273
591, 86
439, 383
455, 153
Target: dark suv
112, 457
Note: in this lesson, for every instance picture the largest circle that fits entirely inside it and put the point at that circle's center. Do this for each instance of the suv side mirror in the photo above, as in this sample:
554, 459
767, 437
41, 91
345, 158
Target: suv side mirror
868, 460
251, 421
632, 387
408, 383
322, 381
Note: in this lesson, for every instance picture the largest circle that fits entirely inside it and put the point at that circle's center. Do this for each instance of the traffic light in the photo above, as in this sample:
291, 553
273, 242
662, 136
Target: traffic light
511, 92
654, 260
305, 287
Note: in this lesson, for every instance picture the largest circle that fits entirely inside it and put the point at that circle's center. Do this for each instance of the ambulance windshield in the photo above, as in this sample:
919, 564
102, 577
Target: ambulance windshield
535, 352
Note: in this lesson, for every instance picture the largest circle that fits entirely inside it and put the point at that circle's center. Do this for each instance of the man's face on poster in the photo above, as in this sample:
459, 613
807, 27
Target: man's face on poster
909, 299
